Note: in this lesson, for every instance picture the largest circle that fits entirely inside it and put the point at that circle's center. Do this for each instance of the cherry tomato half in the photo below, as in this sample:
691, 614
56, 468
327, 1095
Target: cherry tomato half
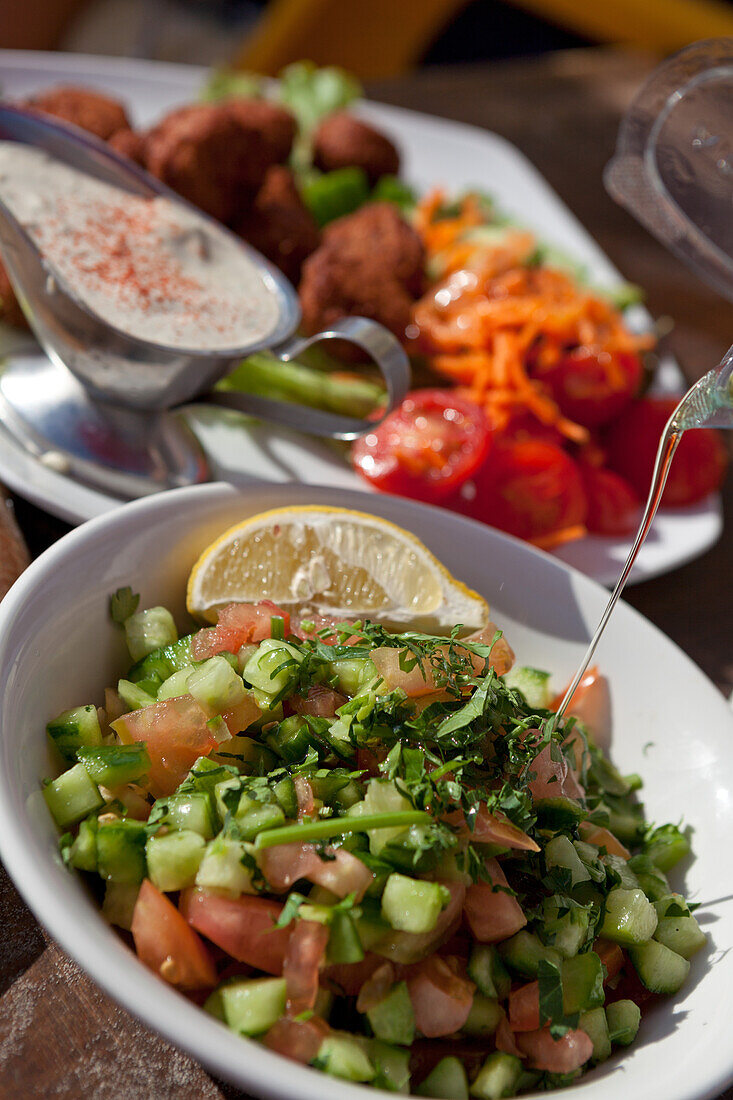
529, 488
613, 508
697, 468
426, 447
592, 387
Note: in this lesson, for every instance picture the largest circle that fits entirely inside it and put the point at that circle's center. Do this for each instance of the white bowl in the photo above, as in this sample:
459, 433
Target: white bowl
58, 649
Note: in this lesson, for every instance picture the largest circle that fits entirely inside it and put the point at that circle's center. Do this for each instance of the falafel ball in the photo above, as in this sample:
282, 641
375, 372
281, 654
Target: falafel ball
335, 285
276, 125
378, 229
90, 110
10, 310
279, 225
343, 141
207, 155
129, 143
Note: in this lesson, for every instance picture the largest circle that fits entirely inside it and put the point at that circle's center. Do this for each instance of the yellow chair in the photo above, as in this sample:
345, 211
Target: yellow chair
377, 39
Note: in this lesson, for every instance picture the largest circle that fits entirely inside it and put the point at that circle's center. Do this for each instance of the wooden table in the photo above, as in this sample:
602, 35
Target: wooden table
58, 1034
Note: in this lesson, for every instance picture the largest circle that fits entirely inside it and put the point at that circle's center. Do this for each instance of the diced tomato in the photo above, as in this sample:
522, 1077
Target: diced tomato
167, 945
297, 1039
603, 838
420, 680
244, 927
440, 999
346, 979
555, 1055
553, 778
698, 466
342, 873
504, 1038
376, 987
411, 947
304, 795
524, 1007
493, 915
175, 735
529, 488
491, 828
591, 703
426, 447
590, 386
321, 701
613, 507
238, 623
303, 960
611, 956
242, 716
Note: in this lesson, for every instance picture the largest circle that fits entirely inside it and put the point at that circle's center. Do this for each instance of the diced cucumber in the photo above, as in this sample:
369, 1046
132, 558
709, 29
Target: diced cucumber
72, 796
498, 1077
661, 970
162, 663
73, 728
189, 810
115, 765
560, 852
352, 674
651, 880
252, 817
447, 1081
121, 851
247, 755
344, 944
342, 1055
630, 918
533, 684
249, 1006
623, 1019
413, 905
522, 953
290, 739
219, 729
133, 696
594, 1024
226, 866
148, 630
205, 776
486, 969
392, 1066
119, 903
484, 1017
591, 860
393, 1019
558, 813
284, 792
625, 819
567, 932
173, 859
176, 684
272, 668
627, 878
215, 686
582, 983
83, 852
671, 905
681, 934
666, 846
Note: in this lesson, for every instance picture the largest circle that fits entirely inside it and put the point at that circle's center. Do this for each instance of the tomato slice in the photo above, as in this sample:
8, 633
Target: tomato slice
528, 488
697, 468
555, 1055
166, 943
297, 1039
175, 735
244, 927
425, 448
524, 1007
237, 624
613, 507
441, 1000
492, 915
591, 386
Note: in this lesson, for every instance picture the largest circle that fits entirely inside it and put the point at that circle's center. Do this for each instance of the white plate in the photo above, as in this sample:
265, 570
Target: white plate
670, 724
435, 152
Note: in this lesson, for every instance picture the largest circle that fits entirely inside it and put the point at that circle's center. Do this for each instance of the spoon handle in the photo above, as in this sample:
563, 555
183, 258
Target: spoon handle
665, 452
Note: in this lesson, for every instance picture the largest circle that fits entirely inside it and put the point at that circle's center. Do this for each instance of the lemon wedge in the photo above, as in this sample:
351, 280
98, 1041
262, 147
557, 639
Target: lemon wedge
333, 562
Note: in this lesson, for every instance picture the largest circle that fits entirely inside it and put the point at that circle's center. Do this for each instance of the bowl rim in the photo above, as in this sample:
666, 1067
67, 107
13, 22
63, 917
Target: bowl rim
141, 993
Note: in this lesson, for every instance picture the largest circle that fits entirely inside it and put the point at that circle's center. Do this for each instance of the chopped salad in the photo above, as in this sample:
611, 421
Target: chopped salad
377, 854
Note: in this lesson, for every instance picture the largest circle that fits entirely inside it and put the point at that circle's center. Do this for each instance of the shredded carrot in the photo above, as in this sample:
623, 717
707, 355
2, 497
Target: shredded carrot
493, 322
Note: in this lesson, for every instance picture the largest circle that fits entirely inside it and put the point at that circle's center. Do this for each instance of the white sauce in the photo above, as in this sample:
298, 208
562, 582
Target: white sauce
152, 267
